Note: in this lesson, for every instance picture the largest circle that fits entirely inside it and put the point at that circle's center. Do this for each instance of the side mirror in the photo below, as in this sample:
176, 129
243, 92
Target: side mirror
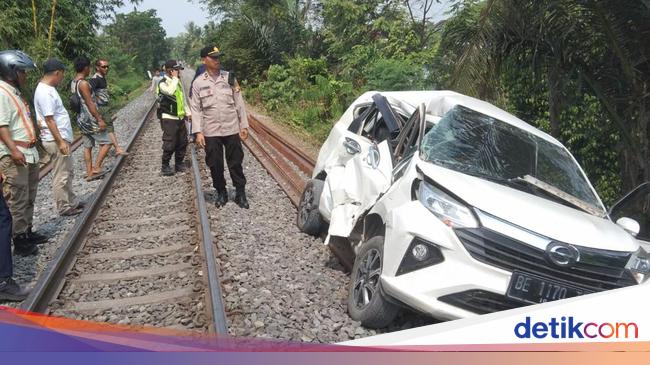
629, 225
352, 147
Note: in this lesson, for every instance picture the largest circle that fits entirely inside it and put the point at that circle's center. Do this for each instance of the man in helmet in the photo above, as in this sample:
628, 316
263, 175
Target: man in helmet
18, 168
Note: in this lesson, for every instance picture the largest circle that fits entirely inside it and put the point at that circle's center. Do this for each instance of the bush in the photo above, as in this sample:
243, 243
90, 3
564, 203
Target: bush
304, 91
395, 75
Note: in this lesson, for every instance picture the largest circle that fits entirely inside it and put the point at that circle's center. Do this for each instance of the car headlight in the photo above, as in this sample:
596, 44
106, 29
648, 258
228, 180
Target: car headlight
449, 210
639, 265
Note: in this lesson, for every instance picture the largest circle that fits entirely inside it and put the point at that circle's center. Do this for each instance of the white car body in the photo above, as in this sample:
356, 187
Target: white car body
362, 189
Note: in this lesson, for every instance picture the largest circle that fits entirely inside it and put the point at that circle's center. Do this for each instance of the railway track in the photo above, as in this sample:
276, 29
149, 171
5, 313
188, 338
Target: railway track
138, 253
291, 168
142, 253
288, 165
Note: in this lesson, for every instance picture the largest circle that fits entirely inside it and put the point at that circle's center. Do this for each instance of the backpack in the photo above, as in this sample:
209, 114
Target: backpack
75, 99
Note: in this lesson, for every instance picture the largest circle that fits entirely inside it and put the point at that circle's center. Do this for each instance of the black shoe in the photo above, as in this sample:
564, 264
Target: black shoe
23, 246
11, 291
180, 167
36, 238
166, 170
240, 199
221, 199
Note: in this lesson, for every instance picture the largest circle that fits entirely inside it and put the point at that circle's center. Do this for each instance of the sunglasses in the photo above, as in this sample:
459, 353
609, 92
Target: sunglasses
105, 66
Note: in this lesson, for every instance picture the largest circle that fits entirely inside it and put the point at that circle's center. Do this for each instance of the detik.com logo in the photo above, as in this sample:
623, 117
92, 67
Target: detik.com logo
568, 327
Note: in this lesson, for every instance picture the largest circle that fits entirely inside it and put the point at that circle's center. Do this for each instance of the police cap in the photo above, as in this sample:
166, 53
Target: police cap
173, 64
214, 52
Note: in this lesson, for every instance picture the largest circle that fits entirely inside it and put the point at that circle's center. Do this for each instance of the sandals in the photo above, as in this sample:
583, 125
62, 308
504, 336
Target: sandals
97, 176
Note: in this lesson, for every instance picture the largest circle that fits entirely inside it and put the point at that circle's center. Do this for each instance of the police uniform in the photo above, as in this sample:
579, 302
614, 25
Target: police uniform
21, 182
219, 113
173, 111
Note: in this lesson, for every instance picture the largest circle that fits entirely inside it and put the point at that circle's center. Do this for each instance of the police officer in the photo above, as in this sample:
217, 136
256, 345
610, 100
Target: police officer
173, 111
18, 154
220, 122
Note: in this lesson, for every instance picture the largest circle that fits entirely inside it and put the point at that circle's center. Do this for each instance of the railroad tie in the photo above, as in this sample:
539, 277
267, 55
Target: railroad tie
173, 295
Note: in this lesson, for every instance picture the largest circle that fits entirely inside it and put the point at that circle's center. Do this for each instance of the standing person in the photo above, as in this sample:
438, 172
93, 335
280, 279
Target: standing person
18, 154
56, 134
173, 112
201, 69
155, 80
9, 290
100, 88
220, 122
90, 122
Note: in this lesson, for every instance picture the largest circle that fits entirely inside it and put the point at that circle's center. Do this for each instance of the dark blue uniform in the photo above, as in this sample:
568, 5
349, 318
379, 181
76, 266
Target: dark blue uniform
6, 263
199, 71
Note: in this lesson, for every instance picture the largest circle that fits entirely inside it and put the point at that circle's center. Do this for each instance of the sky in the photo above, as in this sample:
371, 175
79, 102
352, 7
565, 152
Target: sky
174, 13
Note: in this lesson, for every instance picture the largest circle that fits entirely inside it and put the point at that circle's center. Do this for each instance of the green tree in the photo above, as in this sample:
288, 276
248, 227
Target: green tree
575, 47
141, 35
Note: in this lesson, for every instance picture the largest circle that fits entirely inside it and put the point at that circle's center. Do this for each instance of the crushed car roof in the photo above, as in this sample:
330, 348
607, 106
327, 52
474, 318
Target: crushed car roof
439, 102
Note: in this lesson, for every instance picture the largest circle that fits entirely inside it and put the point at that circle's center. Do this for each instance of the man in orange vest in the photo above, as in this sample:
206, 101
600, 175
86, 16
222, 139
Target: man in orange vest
18, 166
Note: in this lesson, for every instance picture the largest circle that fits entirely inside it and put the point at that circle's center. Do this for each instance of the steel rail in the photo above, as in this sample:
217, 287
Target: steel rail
292, 153
289, 180
267, 146
51, 280
214, 296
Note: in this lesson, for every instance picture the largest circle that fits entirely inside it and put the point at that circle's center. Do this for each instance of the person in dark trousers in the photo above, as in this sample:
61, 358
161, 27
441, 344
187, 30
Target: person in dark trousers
9, 289
220, 123
173, 113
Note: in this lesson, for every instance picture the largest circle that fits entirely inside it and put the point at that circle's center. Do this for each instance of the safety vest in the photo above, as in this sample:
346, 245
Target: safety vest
171, 105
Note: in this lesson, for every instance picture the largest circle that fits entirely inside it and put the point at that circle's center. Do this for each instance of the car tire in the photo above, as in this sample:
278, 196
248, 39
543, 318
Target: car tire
308, 218
366, 301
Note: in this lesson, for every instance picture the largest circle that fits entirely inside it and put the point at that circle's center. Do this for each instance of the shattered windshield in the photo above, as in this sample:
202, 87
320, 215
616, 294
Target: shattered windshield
470, 142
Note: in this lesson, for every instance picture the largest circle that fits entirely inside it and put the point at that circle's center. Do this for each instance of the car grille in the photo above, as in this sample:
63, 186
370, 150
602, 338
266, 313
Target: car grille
597, 270
480, 301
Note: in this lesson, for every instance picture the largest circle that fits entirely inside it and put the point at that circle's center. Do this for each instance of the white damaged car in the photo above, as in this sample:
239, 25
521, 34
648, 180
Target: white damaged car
453, 207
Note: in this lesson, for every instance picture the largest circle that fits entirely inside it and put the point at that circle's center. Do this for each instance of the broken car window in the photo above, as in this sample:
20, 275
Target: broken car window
474, 143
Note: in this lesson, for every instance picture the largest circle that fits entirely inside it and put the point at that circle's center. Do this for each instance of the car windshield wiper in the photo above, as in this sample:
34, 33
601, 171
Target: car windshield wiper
560, 194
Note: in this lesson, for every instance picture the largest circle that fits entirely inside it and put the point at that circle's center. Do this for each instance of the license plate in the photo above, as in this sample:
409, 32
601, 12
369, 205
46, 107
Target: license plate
535, 289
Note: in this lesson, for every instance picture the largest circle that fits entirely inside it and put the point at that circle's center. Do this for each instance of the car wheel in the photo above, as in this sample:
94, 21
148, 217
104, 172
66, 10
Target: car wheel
366, 302
309, 219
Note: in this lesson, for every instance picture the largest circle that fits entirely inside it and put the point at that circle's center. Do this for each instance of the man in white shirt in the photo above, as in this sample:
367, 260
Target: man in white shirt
56, 134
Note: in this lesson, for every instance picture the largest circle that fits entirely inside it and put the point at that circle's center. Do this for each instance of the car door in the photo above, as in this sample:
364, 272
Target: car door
366, 166
635, 206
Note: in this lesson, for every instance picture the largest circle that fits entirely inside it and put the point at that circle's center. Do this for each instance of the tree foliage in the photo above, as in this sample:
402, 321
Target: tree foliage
578, 69
140, 34
581, 59
69, 28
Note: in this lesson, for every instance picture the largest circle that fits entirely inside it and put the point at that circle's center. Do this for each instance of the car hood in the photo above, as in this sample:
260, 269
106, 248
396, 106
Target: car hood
539, 215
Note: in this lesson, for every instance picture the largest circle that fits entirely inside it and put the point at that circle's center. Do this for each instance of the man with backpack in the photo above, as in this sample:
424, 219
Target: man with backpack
90, 122
56, 134
173, 111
